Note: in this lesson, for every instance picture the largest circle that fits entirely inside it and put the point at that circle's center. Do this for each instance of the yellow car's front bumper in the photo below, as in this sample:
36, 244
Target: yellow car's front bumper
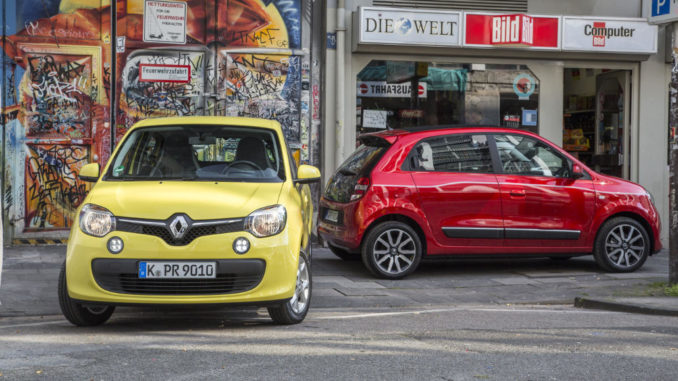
280, 255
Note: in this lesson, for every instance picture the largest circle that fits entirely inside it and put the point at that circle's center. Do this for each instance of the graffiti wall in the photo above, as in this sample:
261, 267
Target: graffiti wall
173, 58
263, 86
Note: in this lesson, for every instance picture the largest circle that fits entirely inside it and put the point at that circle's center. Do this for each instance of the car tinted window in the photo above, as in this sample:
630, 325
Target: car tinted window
223, 153
524, 155
340, 186
452, 153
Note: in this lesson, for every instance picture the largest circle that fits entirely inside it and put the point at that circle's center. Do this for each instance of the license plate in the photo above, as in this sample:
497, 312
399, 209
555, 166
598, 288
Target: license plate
332, 215
177, 270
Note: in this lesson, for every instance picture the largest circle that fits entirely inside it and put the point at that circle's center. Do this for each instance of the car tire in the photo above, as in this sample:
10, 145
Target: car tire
622, 245
392, 250
344, 254
291, 312
79, 314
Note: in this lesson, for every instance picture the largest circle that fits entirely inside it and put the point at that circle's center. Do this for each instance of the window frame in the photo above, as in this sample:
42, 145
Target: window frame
108, 174
499, 168
407, 164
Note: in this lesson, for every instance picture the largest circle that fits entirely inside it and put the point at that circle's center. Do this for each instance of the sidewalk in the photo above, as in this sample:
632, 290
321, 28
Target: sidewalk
30, 277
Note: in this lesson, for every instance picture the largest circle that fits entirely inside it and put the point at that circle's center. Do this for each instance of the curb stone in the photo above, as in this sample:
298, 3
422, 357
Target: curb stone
609, 305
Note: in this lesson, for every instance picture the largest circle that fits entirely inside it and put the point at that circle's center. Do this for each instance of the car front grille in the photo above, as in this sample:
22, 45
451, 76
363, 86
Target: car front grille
233, 276
160, 228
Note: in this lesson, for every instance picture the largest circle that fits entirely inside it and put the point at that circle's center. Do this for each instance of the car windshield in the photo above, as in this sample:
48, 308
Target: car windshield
221, 153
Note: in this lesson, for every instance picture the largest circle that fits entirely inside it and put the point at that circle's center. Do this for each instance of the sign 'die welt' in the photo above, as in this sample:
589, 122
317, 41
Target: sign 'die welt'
408, 27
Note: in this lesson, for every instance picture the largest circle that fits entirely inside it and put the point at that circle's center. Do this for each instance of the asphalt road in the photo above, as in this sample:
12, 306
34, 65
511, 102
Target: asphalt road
458, 320
454, 343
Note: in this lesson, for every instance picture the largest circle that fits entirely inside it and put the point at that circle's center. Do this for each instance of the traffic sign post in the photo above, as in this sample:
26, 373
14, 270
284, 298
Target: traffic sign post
662, 12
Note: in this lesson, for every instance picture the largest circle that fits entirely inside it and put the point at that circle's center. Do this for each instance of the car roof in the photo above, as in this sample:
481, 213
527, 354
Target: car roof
418, 131
210, 120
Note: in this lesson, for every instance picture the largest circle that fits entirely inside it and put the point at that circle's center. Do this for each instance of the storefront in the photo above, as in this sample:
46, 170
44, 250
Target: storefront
575, 80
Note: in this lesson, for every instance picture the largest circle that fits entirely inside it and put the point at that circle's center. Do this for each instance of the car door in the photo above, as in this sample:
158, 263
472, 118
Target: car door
458, 192
543, 206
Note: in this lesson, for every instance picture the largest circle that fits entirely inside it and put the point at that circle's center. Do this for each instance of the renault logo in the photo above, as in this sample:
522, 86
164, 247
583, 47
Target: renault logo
178, 227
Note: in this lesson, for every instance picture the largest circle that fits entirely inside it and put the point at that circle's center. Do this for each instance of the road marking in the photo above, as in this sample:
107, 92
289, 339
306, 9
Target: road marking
31, 324
457, 309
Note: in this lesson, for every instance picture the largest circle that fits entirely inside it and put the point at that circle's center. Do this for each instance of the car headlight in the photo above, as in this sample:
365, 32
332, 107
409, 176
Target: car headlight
650, 196
267, 221
96, 220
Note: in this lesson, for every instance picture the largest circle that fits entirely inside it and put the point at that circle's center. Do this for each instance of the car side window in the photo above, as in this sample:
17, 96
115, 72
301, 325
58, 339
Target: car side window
452, 153
524, 155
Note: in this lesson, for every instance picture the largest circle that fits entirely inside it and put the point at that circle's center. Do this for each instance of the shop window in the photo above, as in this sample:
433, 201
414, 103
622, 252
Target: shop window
595, 123
446, 94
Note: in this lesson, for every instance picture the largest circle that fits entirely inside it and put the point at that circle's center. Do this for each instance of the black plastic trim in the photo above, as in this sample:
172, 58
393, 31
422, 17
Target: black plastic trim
493, 233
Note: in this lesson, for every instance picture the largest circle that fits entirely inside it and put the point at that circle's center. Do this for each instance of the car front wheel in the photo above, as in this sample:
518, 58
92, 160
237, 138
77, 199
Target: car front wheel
80, 314
294, 310
622, 245
392, 250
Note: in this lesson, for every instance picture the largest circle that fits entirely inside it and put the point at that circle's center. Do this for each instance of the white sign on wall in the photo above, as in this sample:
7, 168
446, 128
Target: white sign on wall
381, 89
164, 73
613, 35
392, 26
165, 22
375, 118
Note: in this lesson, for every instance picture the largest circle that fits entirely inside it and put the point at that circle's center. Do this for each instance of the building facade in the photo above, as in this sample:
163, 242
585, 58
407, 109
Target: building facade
67, 98
590, 76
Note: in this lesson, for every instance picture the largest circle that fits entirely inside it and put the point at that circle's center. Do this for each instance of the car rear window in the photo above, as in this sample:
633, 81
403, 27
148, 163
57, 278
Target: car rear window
359, 164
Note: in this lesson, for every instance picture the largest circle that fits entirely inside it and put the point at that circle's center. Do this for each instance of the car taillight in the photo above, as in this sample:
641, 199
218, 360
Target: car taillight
360, 188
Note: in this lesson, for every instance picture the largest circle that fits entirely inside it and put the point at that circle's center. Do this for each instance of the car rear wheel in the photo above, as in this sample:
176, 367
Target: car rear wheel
77, 313
622, 245
294, 310
343, 254
392, 250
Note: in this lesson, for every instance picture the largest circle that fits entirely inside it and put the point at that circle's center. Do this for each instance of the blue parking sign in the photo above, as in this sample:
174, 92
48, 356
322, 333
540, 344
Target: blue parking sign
661, 7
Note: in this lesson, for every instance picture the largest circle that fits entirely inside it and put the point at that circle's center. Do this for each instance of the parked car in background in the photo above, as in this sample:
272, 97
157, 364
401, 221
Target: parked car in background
193, 210
408, 194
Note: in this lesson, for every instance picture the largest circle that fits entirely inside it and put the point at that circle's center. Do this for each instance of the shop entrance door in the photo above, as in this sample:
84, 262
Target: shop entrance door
613, 90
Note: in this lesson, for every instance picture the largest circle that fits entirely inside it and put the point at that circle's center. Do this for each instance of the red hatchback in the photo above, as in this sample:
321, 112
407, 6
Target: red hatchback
403, 195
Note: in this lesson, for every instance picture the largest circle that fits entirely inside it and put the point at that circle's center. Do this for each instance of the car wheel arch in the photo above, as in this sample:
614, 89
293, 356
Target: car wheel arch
400, 218
636, 217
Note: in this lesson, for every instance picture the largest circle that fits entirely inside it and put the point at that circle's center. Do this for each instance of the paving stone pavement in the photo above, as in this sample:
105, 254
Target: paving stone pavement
30, 274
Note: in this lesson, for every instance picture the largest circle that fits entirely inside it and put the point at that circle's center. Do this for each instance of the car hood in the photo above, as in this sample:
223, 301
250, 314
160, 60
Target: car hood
200, 200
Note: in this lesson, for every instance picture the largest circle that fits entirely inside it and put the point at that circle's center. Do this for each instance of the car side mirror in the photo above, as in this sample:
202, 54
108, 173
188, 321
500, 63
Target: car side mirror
89, 172
577, 171
307, 174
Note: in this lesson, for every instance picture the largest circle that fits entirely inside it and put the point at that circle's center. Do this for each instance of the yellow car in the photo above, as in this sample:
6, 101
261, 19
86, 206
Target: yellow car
193, 210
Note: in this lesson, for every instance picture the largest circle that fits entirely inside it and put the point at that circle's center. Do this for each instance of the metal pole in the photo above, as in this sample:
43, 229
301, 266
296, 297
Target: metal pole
340, 85
673, 155
114, 67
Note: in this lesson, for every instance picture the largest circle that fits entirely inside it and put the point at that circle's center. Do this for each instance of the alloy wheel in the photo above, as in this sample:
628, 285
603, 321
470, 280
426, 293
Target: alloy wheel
394, 251
624, 245
303, 288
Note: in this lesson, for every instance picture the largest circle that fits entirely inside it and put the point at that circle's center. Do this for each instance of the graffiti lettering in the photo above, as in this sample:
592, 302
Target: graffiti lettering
53, 189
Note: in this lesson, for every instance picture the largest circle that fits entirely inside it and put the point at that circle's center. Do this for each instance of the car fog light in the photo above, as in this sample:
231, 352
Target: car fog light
115, 245
241, 245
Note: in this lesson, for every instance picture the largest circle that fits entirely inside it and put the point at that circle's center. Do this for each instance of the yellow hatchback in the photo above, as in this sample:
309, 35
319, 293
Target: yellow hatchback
193, 210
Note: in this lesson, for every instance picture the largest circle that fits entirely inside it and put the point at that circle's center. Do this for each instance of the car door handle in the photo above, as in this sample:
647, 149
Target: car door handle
517, 192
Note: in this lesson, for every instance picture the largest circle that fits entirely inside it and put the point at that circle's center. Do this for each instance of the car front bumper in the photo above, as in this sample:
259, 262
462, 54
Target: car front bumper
276, 257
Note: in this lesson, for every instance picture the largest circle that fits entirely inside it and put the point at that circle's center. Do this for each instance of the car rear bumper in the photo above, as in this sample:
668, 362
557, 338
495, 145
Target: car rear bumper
266, 273
344, 233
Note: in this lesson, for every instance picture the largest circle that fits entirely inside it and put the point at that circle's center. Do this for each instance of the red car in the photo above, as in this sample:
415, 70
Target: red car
407, 194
